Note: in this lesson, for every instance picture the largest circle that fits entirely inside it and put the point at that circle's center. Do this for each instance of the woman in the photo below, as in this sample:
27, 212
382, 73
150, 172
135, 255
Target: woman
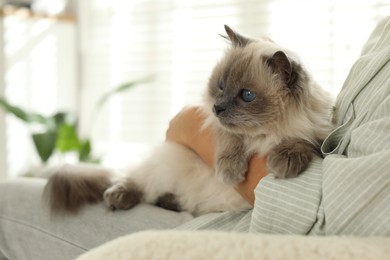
346, 193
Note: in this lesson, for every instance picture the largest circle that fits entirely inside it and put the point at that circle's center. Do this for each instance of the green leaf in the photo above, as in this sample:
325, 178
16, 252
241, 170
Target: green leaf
120, 88
22, 114
61, 118
85, 150
45, 143
67, 139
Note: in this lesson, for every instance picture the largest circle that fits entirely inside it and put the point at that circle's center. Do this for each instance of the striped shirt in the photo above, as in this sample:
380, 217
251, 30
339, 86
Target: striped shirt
347, 192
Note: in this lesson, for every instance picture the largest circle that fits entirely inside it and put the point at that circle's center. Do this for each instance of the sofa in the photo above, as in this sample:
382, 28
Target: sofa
365, 111
228, 245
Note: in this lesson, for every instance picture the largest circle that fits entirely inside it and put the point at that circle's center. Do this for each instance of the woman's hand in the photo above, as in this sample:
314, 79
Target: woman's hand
256, 171
186, 129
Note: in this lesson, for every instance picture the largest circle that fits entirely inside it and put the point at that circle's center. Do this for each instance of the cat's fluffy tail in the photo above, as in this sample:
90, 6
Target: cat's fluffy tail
71, 187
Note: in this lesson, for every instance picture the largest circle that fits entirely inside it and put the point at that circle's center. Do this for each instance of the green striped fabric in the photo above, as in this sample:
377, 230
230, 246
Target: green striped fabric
288, 206
356, 185
348, 192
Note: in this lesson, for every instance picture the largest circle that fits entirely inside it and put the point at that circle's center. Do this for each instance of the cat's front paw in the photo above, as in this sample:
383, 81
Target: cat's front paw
290, 158
231, 173
122, 195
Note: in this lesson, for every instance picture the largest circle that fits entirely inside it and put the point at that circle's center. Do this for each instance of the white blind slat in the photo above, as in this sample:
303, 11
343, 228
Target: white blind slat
177, 42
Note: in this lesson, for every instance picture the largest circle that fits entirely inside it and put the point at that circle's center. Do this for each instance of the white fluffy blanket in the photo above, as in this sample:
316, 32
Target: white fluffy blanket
223, 245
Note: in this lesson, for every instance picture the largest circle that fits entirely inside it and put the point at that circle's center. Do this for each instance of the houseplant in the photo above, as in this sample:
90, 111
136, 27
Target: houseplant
58, 132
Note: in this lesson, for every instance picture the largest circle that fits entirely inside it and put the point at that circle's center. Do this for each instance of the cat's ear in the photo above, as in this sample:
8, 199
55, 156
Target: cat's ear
236, 39
281, 65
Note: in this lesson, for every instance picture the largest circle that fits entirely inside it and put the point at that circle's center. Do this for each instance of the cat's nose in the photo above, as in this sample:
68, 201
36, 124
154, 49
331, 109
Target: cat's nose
218, 109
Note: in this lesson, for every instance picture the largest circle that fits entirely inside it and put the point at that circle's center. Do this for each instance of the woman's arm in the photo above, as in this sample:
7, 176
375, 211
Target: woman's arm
185, 128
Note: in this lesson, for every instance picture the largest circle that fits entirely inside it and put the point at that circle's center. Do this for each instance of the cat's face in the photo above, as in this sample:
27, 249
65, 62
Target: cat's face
250, 89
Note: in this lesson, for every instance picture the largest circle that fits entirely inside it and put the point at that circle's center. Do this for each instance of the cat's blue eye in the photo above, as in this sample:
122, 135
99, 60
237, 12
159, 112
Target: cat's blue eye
247, 95
221, 84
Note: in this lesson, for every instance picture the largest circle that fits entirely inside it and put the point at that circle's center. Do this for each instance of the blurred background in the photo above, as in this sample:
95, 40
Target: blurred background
110, 74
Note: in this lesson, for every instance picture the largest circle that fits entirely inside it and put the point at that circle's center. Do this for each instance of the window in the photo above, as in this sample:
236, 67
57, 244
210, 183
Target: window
177, 43
39, 69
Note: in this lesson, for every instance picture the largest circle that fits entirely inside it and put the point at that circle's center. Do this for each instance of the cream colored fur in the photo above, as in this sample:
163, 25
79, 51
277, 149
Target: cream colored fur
175, 169
171, 245
291, 112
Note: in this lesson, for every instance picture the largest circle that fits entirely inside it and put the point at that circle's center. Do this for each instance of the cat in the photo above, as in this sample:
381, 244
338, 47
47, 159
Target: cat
260, 100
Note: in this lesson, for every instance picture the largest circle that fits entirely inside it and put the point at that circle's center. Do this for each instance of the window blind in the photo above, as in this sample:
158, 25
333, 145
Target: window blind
177, 43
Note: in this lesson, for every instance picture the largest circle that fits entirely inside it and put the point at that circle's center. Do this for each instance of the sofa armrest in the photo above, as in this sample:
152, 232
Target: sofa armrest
223, 245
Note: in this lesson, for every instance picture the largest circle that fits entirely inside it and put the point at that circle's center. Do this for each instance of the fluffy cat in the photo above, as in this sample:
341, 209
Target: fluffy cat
260, 99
